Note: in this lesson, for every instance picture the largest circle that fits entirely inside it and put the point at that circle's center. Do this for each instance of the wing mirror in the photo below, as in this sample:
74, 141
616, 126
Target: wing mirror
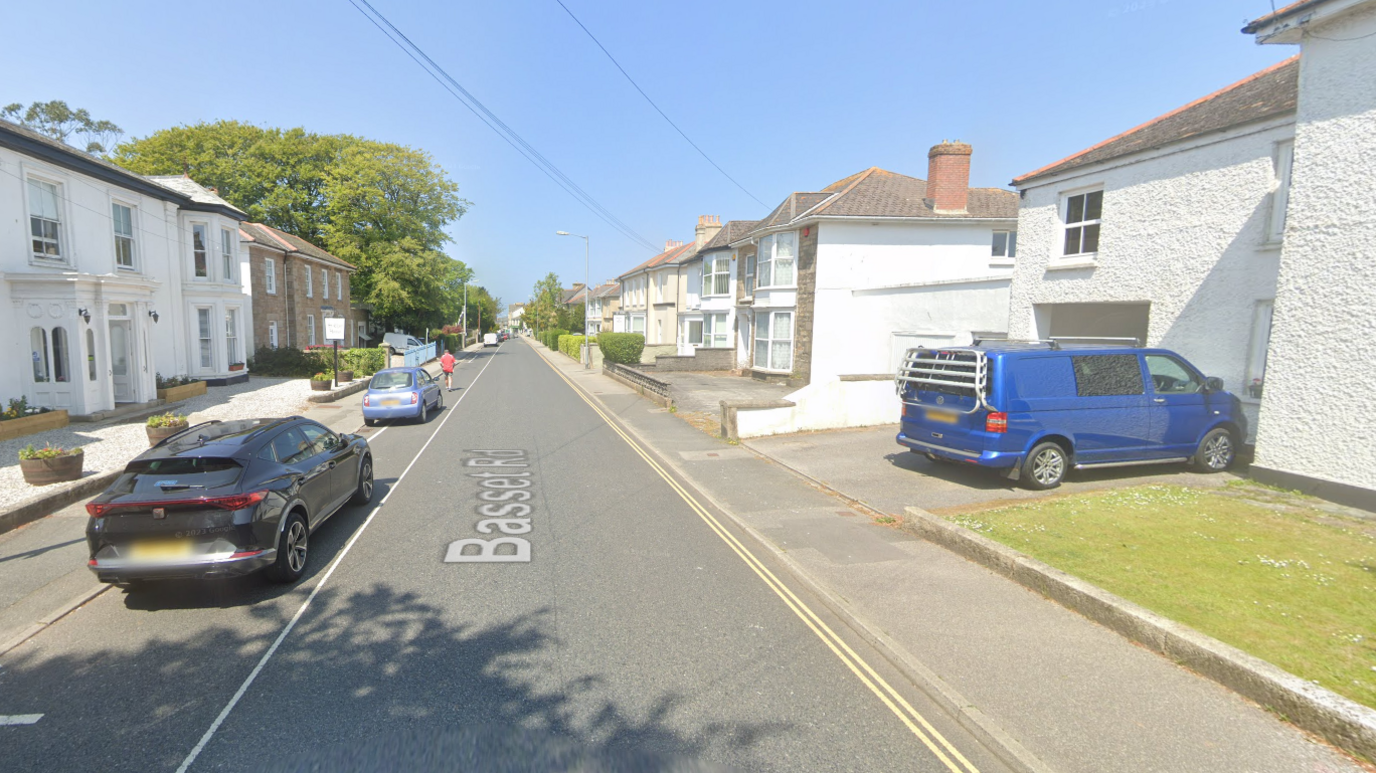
1213, 384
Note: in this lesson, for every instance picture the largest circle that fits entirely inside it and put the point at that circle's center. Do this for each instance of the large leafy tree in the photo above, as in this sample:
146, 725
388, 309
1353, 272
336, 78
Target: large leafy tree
381, 206
59, 121
546, 300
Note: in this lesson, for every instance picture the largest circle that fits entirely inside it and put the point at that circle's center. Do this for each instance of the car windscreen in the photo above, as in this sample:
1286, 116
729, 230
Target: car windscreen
178, 473
390, 380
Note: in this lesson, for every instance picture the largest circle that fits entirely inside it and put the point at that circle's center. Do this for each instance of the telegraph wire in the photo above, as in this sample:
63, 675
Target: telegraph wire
489, 118
670, 121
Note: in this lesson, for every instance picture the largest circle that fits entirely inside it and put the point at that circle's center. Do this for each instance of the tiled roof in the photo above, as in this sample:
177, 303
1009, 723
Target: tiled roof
192, 190
280, 240
670, 255
1274, 16
1270, 93
732, 231
608, 290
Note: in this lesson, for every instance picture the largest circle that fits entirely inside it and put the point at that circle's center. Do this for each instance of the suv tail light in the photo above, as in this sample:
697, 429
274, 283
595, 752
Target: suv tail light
232, 502
996, 421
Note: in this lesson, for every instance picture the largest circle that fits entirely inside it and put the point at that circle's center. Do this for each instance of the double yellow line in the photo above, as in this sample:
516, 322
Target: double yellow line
915, 722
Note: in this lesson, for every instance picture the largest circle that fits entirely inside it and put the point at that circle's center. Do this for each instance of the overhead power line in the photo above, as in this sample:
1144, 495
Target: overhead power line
656, 107
496, 124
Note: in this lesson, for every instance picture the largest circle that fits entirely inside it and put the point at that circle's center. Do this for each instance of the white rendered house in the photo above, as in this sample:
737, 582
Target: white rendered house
110, 278
1315, 431
1168, 234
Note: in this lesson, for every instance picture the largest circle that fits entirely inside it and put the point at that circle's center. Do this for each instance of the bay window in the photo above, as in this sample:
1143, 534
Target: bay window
774, 340
60, 352
207, 346
775, 260
750, 275
694, 334
232, 335
38, 343
227, 253
199, 237
715, 332
718, 280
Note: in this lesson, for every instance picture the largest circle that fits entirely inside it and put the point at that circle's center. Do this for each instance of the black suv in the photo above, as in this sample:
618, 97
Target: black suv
226, 498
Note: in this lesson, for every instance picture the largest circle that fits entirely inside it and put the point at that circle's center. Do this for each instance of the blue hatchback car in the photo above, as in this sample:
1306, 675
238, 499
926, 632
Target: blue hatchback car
1037, 409
401, 393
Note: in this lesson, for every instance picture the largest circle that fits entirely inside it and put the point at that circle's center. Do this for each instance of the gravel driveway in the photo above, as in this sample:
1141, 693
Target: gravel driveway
108, 446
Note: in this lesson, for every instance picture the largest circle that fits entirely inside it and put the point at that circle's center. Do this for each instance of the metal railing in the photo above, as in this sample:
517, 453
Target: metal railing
421, 354
638, 378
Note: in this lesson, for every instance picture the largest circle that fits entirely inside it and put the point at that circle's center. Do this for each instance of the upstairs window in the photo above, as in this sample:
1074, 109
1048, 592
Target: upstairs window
750, 275
1005, 244
270, 276
310, 284
1082, 219
45, 220
1283, 160
122, 218
198, 250
324, 284
775, 261
338, 285
718, 276
227, 253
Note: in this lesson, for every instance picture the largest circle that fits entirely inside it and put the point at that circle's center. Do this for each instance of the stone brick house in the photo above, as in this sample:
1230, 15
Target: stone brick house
296, 286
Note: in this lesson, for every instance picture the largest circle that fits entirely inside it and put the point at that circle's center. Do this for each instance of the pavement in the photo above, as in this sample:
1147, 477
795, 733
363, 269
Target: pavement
1046, 688
646, 631
867, 465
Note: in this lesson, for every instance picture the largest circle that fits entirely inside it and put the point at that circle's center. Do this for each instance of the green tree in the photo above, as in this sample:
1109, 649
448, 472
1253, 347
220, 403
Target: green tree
55, 119
546, 299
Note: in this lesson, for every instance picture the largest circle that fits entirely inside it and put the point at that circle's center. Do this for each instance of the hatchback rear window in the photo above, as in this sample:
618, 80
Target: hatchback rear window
390, 380
180, 473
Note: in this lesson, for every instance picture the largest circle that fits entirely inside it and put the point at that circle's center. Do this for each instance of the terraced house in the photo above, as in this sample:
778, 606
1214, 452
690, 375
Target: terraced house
296, 287
110, 278
648, 299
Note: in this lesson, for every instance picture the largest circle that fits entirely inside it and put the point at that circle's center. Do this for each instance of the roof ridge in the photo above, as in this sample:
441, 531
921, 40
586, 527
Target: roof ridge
832, 199
1160, 118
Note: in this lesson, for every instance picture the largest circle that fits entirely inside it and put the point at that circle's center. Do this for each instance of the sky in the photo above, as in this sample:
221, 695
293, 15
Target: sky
785, 96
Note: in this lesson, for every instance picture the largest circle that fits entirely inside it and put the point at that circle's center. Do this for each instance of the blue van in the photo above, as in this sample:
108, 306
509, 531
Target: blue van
1035, 409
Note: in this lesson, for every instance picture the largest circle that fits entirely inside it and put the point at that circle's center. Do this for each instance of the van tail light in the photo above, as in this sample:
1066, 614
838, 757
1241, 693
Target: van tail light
232, 502
996, 421
414, 397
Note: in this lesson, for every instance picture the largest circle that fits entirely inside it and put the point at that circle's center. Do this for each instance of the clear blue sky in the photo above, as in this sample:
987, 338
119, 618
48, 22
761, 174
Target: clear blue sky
784, 95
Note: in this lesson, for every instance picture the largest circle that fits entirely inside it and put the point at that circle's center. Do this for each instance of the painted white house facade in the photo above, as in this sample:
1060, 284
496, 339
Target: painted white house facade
1315, 431
1167, 235
108, 278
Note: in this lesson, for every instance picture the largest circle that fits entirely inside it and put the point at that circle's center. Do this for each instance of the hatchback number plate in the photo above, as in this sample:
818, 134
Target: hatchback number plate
391, 401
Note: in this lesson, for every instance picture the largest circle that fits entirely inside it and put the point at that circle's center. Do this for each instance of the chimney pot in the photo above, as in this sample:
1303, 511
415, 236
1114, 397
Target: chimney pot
948, 177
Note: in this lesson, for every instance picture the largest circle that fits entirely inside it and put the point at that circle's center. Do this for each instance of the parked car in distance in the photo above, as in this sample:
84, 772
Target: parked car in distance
490, 339
401, 341
401, 393
1037, 409
226, 498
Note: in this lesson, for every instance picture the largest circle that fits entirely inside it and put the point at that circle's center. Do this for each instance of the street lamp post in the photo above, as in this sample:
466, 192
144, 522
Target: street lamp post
587, 289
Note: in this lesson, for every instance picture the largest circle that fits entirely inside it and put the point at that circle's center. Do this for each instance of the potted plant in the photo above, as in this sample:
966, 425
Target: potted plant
345, 375
50, 464
164, 425
320, 382
236, 366
1254, 389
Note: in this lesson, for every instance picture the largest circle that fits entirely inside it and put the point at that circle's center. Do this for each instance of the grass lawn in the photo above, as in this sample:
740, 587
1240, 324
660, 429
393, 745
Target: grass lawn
1289, 579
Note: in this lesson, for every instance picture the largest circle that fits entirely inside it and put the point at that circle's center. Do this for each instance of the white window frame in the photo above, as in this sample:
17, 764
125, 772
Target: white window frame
270, 276
324, 284
1006, 253
131, 237
714, 335
1283, 162
770, 340
1084, 223
767, 257
60, 239
688, 324
637, 318
338, 285
721, 271
310, 330
272, 334
750, 262
1259, 346
232, 317
205, 338
204, 228
227, 254
310, 280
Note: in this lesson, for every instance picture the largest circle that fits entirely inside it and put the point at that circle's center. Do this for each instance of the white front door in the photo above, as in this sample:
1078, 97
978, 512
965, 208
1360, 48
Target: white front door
120, 356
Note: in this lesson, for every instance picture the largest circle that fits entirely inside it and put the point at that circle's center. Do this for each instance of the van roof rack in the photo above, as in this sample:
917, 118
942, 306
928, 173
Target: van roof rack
1049, 343
1099, 341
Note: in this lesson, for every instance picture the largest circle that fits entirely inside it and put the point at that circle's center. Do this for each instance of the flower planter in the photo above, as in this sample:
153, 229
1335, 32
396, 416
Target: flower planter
13, 428
158, 434
173, 394
346, 375
236, 366
320, 386
42, 472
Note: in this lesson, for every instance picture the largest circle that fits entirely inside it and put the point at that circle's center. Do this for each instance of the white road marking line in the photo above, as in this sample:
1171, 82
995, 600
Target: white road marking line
243, 688
19, 719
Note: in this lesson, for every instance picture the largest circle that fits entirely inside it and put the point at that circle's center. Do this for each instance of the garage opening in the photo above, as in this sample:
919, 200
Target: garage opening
1093, 321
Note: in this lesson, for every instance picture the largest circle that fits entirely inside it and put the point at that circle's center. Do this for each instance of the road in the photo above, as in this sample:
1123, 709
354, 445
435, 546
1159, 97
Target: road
643, 633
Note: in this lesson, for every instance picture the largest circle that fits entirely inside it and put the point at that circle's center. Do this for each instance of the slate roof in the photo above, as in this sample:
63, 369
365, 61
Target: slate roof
1267, 94
280, 240
193, 190
732, 231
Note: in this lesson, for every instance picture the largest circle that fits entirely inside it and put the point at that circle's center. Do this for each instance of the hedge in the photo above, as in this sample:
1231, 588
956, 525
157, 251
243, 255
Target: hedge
572, 345
294, 363
622, 348
550, 338
363, 362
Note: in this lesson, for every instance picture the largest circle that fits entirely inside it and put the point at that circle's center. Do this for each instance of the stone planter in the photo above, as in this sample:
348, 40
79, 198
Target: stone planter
345, 375
320, 386
173, 394
13, 428
42, 472
158, 434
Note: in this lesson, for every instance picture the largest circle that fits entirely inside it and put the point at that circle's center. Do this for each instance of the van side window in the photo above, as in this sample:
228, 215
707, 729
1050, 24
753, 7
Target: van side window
1169, 376
1041, 377
1100, 375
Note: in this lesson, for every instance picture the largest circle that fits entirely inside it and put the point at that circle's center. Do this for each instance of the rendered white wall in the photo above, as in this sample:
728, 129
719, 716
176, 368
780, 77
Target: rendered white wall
1316, 418
831, 404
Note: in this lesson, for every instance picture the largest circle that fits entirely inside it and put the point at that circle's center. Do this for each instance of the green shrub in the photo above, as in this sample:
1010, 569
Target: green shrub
363, 362
622, 348
550, 338
572, 345
289, 362
28, 452
169, 419
324, 376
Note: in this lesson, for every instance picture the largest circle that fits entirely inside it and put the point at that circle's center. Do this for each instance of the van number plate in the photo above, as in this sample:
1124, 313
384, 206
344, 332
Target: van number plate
942, 417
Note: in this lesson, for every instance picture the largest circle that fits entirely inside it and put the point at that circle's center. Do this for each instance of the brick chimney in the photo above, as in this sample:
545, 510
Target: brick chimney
948, 177
708, 227
670, 244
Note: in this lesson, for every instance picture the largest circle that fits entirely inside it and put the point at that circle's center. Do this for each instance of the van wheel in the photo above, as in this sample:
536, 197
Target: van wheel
1045, 467
1216, 451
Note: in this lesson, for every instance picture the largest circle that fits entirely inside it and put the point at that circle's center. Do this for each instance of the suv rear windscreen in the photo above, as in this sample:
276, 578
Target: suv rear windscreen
180, 473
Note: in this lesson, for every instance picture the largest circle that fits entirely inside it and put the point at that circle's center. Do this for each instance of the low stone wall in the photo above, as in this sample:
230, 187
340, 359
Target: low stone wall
647, 385
648, 356
705, 359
